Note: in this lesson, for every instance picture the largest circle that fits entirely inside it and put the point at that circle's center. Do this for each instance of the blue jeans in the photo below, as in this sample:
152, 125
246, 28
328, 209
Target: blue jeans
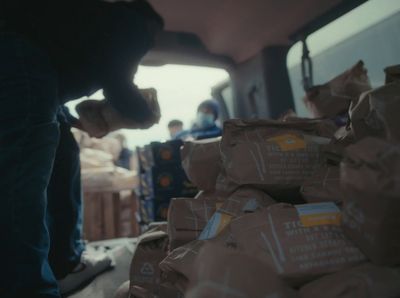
29, 137
64, 210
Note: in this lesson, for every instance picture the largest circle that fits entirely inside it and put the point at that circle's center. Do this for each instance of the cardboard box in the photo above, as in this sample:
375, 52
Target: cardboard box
109, 215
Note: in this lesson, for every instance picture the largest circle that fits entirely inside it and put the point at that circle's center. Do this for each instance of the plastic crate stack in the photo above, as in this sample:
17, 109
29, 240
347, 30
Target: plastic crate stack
161, 179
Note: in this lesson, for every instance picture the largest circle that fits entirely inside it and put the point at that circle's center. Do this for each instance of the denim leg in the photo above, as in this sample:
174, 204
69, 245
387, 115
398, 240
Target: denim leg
64, 212
28, 140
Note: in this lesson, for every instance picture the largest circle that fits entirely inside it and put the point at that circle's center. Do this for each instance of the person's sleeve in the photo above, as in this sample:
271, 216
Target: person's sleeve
126, 98
71, 120
126, 42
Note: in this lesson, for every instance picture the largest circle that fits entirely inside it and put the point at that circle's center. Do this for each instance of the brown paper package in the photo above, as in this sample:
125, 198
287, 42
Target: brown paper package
364, 281
377, 113
344, 136
271, 155
370, 183
245, 200
210, 195
223, 272
178, 266
298, 254
201, 161
323, 186
145, 272
187, 217
334, 97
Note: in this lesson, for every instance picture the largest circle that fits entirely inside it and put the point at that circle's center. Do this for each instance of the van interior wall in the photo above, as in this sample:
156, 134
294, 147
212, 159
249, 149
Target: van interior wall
185, 49
261, 85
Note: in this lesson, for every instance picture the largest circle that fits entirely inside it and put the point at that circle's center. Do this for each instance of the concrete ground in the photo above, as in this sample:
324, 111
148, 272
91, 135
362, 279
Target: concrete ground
105, 285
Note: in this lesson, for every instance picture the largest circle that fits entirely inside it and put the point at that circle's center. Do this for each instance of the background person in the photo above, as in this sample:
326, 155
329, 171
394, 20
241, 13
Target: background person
175, 127
205, 126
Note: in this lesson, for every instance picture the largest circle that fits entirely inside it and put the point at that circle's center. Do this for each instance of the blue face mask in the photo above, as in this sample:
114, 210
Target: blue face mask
204, 120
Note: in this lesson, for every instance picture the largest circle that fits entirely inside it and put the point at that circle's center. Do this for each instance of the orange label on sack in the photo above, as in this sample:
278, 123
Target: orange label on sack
321, 219
288, 142
319, 214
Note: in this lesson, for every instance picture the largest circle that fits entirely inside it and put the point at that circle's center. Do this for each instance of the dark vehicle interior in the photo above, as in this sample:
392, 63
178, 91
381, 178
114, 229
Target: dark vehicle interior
249, 39
252, 41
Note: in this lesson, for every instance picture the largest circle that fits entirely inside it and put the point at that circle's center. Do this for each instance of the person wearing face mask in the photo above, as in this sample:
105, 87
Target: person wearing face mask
205, 126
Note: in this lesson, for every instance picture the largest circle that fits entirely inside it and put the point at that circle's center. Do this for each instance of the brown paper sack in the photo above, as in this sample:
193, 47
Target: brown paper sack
334, 97
178, 266
145, 272
187, 218
323, 186
224, 186
201, 161
344, 136
271, 155
242, 201
392, 74
364, 281
210, 195
222, 272
301, 243
139, 292
370, 180
376, 113
245, 200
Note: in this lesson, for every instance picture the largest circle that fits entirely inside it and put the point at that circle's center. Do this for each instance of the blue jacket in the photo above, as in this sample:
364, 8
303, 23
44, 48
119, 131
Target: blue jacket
199, 134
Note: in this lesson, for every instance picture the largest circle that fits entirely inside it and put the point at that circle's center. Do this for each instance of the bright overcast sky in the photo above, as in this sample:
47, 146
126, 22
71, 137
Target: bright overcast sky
180, 90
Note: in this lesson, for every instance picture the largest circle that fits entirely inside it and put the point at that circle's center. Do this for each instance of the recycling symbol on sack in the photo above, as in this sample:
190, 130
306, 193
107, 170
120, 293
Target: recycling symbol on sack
147, 269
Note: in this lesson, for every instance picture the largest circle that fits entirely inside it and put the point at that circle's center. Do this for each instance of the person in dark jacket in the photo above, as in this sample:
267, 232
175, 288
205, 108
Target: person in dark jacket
52, 52
205, 126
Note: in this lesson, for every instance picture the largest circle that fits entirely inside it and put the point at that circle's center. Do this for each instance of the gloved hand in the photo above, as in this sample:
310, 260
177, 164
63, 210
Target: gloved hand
98, 118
